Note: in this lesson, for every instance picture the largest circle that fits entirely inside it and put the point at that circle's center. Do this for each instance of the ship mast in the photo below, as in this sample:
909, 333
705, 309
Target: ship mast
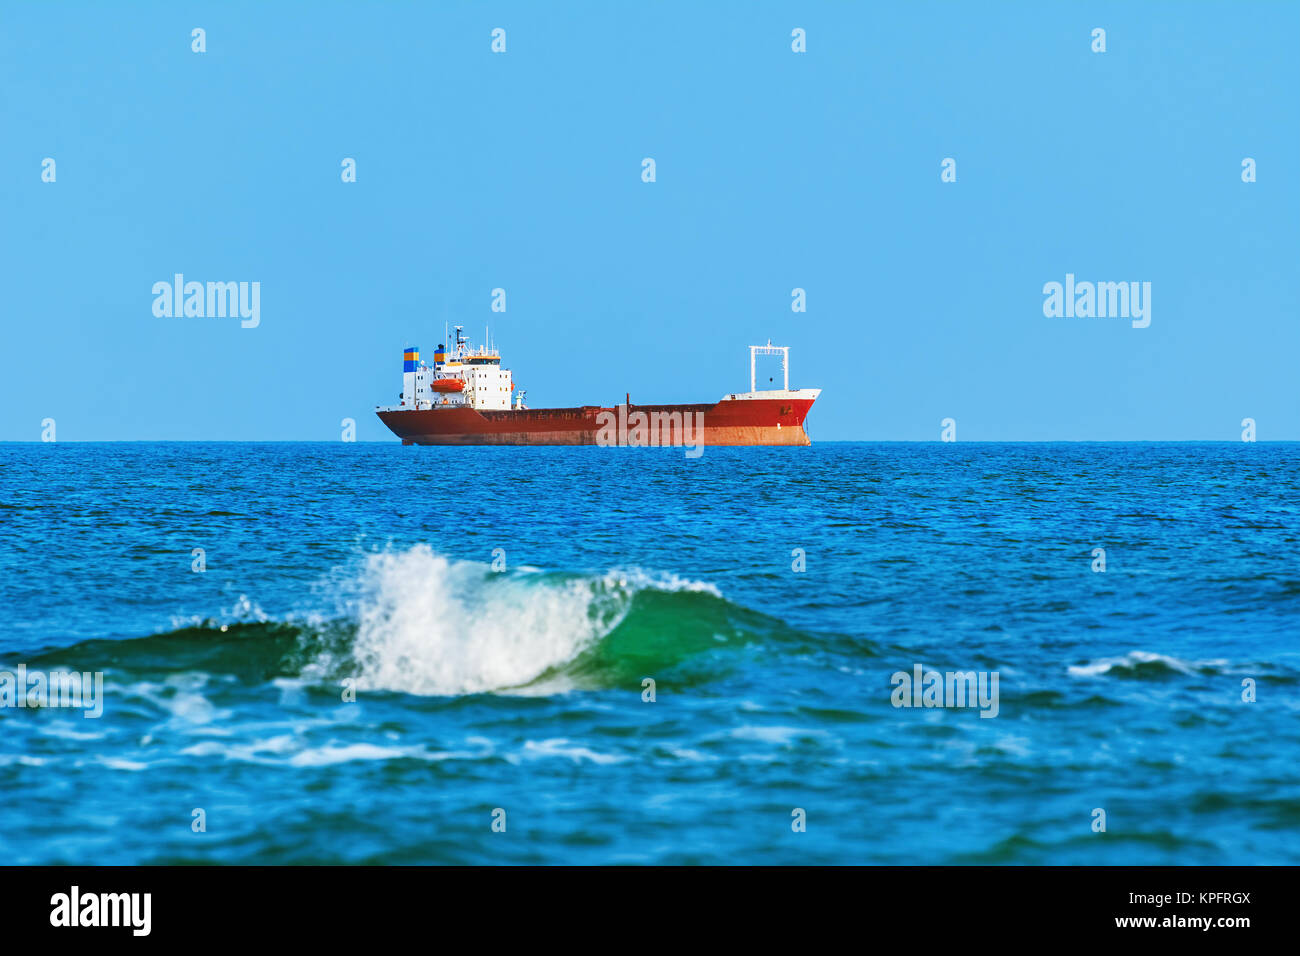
769, 349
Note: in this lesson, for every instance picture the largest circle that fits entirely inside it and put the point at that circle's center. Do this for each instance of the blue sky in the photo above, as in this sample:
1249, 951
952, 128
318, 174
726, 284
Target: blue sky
775, 170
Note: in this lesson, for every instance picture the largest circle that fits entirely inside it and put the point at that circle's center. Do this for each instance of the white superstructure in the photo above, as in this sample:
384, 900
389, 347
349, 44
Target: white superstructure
461, 377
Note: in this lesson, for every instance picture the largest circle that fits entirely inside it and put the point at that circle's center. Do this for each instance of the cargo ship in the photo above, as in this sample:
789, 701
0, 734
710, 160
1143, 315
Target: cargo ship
466, 397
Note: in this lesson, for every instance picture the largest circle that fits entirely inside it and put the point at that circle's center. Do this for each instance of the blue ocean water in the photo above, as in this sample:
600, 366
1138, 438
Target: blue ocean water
514, 692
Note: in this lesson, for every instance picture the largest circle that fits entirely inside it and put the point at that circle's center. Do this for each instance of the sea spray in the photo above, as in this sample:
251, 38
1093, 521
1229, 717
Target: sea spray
428, 625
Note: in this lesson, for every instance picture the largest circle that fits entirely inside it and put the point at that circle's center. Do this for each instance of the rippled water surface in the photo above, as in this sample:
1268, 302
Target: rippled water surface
373, 571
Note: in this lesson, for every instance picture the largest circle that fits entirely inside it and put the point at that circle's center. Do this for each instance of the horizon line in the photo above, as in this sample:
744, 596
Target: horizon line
828, 441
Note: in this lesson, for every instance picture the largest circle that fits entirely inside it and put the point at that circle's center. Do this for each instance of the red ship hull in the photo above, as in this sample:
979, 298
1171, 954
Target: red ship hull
748, 421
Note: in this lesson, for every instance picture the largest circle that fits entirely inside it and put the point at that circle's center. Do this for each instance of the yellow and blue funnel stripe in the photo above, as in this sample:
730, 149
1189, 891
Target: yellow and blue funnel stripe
409, 358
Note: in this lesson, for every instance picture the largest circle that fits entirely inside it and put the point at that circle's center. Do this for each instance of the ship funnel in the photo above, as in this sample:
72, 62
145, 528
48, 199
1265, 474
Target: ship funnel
410, 362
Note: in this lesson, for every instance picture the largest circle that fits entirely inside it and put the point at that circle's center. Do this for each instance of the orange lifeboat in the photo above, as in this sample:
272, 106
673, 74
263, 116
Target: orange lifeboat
448, 385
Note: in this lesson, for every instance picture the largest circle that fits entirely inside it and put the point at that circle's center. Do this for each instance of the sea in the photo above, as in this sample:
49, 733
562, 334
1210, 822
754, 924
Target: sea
364, 653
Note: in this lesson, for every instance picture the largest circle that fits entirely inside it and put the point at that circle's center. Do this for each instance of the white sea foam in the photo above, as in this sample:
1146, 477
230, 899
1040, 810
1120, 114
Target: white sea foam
780, 736
429, 625
120, 763
287, 750
1132, 659
325, 756
563, 747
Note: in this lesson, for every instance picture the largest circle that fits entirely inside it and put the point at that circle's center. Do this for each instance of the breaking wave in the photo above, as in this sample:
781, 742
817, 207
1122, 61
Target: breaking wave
1141, 665
416, 622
